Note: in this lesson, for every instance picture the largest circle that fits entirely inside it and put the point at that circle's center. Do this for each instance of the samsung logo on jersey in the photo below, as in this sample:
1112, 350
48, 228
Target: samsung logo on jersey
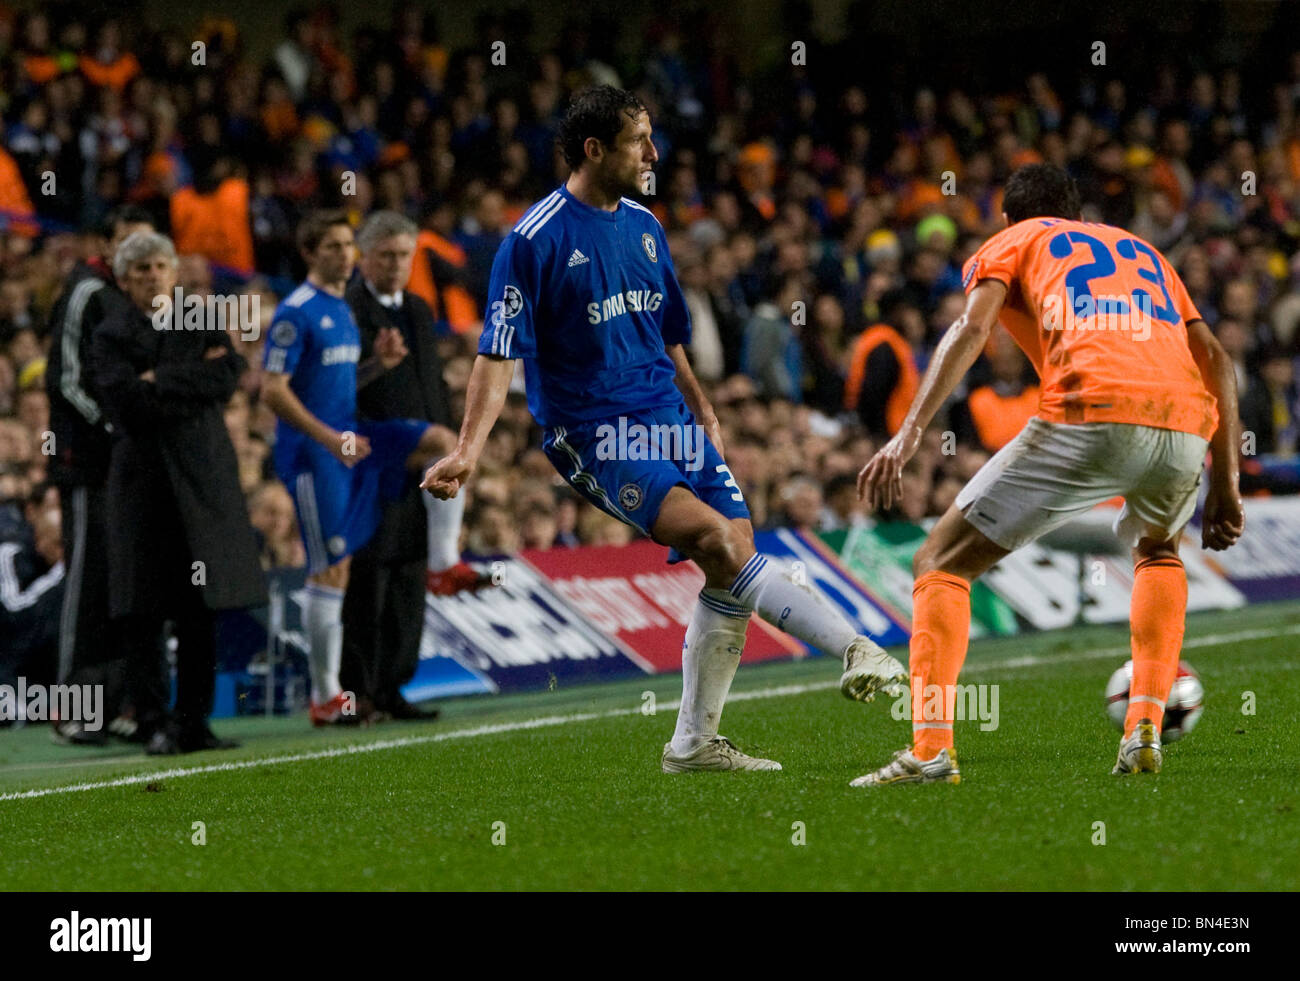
341, 354
633, 301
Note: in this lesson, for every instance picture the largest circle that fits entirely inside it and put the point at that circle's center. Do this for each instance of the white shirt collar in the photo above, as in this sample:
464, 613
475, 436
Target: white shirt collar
392, 301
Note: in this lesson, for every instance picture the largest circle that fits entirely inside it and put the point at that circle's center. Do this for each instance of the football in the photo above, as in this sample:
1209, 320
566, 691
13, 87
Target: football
1182, 711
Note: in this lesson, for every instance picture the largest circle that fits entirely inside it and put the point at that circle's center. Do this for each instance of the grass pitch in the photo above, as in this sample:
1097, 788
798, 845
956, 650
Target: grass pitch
562, 790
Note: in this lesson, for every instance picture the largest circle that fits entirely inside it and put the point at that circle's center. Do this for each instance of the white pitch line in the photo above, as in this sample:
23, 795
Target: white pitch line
1009, 664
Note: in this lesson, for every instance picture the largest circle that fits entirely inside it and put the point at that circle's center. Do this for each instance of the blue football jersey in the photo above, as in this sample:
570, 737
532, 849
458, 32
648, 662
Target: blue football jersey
314, 339
588, 298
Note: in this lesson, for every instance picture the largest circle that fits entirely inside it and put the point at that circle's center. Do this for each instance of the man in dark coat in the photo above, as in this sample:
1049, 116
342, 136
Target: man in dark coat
89, 648
180, 546
383, 609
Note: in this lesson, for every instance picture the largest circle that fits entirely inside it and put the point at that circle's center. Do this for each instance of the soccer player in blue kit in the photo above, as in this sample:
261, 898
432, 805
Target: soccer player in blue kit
339, 471
583, 290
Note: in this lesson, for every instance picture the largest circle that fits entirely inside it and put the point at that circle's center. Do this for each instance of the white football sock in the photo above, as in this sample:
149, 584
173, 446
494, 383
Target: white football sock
801, 611
322, 619
715, 638
444, 519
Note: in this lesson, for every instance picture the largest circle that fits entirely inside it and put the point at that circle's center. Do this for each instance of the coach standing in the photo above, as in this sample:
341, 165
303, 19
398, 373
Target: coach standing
180, 546
383, 609
87, 645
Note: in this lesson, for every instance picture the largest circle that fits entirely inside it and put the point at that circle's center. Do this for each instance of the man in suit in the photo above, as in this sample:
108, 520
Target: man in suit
416, 545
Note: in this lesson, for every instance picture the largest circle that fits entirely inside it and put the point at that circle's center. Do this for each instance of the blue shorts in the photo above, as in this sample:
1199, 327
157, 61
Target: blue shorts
627, 465
339, 507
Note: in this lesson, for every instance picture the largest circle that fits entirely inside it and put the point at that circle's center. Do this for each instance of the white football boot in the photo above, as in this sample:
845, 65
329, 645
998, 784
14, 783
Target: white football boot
868, 669
906, 768
1140, 752
719, 753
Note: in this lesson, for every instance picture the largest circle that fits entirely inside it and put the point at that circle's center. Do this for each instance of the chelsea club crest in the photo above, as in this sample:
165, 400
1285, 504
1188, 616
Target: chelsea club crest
648, 241
629, 495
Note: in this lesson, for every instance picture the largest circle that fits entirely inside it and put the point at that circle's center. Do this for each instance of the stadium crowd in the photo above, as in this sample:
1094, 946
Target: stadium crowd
819, 234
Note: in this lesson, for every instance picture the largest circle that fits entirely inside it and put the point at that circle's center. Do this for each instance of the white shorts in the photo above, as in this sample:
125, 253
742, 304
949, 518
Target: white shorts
1054, 472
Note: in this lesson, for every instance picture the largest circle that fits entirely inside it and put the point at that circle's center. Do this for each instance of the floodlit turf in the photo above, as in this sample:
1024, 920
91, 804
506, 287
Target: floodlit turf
581, 803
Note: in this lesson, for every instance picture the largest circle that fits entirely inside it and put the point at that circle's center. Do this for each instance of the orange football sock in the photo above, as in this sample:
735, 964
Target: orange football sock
1158, 615
940, 634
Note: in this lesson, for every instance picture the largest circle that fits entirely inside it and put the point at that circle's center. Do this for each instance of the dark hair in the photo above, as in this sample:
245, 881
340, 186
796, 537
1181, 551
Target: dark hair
127, 214
1040, 190
39, 489
838, 483
314, 226
596, 112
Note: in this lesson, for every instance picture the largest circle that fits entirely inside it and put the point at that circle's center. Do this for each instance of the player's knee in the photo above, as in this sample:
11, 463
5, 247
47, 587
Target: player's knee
925, 560
1150, 548
723, 548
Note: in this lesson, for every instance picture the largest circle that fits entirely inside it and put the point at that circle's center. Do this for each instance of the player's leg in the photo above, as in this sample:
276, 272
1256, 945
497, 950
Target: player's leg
1046, 476
754, 582
741, 577
338, 510
647, 495
715, 634
1155, 511
323, 624
1157, 616
954, 555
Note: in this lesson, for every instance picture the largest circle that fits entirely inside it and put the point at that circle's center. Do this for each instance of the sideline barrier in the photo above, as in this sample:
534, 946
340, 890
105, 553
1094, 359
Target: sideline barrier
570, 616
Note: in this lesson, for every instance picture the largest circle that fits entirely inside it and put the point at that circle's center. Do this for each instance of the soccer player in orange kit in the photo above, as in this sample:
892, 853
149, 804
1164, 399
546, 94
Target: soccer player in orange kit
1135, 388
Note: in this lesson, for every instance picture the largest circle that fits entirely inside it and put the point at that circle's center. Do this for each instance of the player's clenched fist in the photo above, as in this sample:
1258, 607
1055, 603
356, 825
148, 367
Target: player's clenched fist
1223, 519
446, 477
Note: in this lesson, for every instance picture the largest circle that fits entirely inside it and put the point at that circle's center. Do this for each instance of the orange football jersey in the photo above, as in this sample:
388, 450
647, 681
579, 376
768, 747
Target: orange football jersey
1103, 318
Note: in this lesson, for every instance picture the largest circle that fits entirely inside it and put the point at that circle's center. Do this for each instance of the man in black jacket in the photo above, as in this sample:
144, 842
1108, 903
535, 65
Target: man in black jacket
383, 609
180, 546
89, 650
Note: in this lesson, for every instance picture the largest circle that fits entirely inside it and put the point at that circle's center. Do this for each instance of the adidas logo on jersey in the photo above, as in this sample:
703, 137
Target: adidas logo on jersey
327, 321
577, 258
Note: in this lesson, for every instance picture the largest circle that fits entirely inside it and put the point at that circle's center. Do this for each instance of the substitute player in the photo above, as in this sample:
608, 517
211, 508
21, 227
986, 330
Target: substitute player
339, 471
584, 291
1135, 388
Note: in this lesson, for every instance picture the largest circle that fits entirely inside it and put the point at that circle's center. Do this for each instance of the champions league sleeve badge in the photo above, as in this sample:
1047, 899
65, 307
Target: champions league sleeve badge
283, 334
514, 302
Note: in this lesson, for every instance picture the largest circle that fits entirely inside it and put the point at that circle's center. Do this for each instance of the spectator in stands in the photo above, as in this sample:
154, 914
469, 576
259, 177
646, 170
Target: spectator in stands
882, 376
1237, 342
843, 509
31, 583
993, 414
270, 511
1270, 406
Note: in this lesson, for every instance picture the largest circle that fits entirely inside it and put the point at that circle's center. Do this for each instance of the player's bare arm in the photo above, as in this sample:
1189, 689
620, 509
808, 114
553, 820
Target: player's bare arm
1224, 520
389, 350
880, 482
348, 448
489, 383
696, 400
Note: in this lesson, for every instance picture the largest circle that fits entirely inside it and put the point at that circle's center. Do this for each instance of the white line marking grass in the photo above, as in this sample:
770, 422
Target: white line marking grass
544, 722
